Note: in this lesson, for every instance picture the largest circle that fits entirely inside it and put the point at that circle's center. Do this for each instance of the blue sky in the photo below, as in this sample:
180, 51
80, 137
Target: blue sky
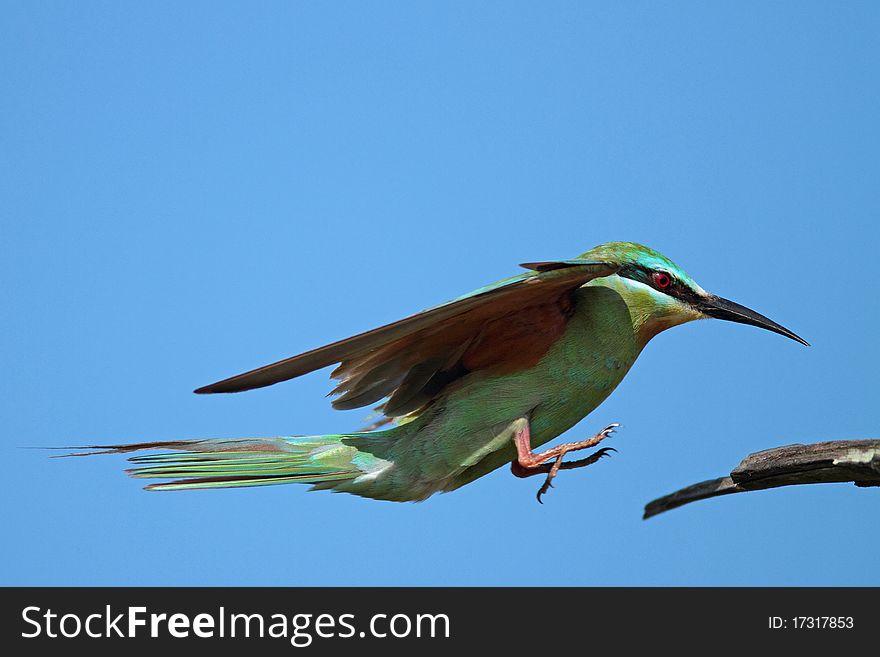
189, 190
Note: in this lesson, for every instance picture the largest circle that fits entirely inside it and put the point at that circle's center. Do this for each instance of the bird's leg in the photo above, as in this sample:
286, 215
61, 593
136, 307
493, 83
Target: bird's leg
550, 469
545, 468
529, 463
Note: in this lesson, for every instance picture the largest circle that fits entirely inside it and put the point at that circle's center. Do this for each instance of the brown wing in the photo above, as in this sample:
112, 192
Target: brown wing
507, 326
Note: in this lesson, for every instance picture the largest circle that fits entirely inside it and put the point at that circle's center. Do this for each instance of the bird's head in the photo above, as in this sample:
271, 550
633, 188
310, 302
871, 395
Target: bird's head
661, 295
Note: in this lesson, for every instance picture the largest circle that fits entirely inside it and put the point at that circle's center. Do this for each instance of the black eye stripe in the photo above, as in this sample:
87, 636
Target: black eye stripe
675, 288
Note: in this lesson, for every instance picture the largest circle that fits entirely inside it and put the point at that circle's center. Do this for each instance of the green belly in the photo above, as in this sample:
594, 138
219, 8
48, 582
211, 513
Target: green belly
576, 376
465, 433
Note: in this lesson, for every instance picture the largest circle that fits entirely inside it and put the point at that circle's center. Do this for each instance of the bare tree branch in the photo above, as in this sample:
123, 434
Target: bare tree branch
835, 461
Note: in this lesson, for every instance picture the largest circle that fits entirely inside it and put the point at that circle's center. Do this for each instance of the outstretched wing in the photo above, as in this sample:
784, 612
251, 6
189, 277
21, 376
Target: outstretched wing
506, 326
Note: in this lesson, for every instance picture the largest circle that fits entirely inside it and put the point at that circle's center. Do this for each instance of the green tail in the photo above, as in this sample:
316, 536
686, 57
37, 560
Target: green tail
323, 461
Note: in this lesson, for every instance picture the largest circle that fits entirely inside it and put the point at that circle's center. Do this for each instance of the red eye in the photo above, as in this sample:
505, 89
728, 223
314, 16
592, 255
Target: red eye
661, 279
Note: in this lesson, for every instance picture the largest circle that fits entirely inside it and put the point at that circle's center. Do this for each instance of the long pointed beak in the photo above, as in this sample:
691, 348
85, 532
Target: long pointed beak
733, 312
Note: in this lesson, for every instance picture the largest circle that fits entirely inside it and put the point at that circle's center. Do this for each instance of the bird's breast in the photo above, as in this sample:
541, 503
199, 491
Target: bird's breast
590, 359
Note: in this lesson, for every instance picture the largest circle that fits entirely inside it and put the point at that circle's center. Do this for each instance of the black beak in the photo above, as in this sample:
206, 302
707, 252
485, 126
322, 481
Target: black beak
733, 312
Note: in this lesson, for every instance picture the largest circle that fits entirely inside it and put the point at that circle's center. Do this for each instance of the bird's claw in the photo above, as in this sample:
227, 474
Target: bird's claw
548, 482
543, 489
595, 456
611, 428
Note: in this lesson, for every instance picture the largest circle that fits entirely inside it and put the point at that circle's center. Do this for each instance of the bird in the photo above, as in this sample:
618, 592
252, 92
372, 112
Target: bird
464, 387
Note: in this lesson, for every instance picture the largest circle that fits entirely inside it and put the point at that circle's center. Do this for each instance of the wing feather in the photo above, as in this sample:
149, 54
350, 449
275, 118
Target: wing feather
407, 359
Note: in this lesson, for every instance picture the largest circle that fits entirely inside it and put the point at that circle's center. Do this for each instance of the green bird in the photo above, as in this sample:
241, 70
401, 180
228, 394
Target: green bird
468, 386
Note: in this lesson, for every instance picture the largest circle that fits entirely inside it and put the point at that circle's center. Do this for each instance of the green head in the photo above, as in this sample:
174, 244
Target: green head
660, 294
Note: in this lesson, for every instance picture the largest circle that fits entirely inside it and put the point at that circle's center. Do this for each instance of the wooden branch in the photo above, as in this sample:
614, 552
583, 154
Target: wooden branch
835, 461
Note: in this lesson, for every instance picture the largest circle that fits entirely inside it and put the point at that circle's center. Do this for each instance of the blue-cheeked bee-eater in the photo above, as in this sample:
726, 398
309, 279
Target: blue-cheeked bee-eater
468, 386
